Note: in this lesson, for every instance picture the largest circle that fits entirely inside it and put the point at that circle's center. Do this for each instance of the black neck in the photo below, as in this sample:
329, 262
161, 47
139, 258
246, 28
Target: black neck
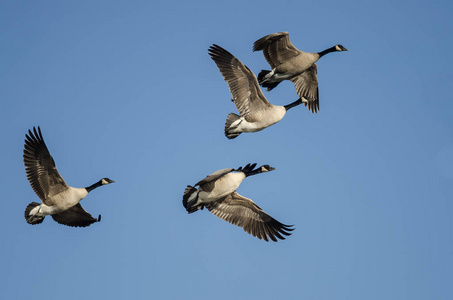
93, 186
295, 103
253, 172
332, 49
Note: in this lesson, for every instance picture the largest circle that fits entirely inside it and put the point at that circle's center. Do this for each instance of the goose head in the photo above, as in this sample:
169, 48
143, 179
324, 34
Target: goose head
340, 48
105, 181
248, 170
266, 168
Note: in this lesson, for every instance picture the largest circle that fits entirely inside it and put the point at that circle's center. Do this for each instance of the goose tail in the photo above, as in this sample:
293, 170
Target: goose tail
31, 216
263, 80
189, 200
230, 125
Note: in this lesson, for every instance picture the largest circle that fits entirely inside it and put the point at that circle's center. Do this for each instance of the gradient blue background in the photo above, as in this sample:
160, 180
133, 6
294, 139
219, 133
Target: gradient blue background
127, 90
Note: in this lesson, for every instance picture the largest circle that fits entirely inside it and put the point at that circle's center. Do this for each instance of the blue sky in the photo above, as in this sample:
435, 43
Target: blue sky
128, 91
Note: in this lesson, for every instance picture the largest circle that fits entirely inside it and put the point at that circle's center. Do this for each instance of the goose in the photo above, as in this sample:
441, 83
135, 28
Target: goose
289, 63
217, 192
57, 198
256, 113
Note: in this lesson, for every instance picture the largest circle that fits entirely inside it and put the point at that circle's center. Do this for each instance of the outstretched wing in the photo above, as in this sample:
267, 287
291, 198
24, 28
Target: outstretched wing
76, 216
243, 212
246, 92
307, 87
277, 48
40, 167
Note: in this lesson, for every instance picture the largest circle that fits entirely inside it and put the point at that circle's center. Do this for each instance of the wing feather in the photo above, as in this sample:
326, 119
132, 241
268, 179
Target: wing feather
40, 167
243, 85
277, 48
75, 216
306, 85
243, 212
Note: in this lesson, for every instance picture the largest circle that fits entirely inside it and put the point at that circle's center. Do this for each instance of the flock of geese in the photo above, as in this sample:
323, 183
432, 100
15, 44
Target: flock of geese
216, 192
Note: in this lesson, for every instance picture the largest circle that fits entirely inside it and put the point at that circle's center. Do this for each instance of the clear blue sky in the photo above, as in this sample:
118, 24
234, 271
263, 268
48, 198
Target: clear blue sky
128, 91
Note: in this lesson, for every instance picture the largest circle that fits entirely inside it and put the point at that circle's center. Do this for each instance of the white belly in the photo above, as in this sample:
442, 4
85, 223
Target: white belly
67, 198
222, 187
257, 121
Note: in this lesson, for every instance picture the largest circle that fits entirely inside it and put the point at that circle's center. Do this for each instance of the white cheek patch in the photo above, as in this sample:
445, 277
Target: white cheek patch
104, 181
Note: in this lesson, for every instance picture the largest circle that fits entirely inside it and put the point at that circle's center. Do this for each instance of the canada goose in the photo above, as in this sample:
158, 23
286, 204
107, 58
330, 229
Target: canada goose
256, 113
217, 192
58, 199
289, 63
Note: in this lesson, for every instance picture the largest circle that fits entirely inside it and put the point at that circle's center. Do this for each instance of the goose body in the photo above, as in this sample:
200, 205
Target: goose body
57, 198
217, 192
251, 123
223, 186
255, 112
61, 201
289, 63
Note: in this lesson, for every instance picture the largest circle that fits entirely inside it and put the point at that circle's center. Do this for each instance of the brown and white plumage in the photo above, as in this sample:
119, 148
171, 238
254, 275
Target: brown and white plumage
58, 199
40, 167
217, 192
289, 63
243, 212
255, 112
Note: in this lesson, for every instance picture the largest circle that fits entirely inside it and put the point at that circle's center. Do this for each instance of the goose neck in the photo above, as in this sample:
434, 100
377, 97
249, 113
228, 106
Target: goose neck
93, 186
295, 103
329, 50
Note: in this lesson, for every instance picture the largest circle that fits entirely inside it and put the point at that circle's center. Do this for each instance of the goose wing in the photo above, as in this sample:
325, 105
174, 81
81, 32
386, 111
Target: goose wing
277, 48
75, 216
307, 87
243, 212
40, 167
214, 176
244, 87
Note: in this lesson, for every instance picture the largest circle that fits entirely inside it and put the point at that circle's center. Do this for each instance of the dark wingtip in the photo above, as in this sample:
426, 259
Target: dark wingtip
34, 135
218, 53
281, 230
99, 218
36, 131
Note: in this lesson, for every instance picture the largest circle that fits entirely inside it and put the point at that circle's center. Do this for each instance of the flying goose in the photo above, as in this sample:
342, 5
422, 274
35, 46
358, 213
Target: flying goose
58, 199
256, 113
289, 63
217, 192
